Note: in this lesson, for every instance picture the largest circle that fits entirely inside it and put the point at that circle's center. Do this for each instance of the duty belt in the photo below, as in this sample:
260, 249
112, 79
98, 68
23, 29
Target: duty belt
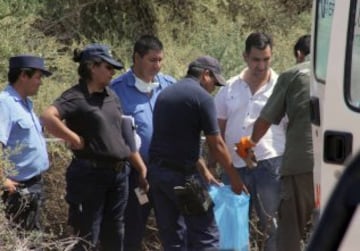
116, 165
31, 181
184, 169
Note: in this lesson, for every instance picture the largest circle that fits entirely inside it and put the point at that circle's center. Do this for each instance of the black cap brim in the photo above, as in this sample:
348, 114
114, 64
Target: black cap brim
220, 80
113, 62
46, 73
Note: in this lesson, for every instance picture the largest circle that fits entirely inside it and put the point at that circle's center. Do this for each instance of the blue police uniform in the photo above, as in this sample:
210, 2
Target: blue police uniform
20, 131
21, 136
140, 106
181, 113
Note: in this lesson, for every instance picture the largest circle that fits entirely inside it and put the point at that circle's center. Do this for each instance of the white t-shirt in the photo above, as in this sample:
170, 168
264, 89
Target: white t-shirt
236, 104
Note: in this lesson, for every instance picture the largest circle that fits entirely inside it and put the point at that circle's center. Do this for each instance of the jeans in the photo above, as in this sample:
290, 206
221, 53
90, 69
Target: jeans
177, 231
263, 183
97, 198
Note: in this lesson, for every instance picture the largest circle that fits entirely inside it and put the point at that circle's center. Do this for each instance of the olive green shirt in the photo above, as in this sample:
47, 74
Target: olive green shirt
291, 97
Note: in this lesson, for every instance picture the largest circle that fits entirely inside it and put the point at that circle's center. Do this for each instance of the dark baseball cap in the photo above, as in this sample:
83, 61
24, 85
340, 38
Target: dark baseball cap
212, 64
100, 51
28, 61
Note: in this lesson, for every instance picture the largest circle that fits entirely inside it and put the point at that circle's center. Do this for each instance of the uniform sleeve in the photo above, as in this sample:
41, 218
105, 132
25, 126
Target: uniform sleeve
128, 132
5, 125
220, 104
67, 104
275, 107
208, 117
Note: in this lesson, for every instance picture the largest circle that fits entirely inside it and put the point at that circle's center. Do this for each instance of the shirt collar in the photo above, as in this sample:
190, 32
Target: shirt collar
15, 95
272, 80
85, 90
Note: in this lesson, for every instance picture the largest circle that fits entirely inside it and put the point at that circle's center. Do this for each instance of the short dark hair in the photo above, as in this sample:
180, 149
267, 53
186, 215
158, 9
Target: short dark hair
146, 43
303, 45
14, 74
194, 72
259, 40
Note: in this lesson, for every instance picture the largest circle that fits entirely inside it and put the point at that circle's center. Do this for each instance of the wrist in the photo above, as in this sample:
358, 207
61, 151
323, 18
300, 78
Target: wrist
252, 142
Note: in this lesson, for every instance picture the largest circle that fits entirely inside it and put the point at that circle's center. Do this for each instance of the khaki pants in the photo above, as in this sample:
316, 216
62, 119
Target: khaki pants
295, 210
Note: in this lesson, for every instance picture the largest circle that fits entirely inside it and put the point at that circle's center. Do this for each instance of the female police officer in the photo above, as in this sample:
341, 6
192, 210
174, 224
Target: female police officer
97, 185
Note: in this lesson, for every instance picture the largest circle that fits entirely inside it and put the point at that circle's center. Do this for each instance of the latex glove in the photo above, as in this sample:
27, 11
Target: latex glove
244, 146
245, 150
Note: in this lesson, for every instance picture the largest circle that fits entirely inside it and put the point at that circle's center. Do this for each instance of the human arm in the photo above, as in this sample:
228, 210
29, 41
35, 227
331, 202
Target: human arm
53, 123
247, 143
260, 128
205, 172
10, 185
211, 160
7, 184
138, 163
129, 134
219, 151
222, 126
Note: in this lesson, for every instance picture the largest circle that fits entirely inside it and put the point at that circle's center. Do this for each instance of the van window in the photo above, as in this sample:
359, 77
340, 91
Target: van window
354, 73
324, 16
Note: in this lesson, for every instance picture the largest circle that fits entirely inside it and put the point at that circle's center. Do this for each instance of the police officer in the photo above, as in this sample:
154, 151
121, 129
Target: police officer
97, 179
182, 112
22, 141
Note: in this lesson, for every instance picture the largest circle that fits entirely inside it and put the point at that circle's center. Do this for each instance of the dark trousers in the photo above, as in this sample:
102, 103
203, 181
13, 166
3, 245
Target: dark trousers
136, 216
177, 231
295, 210
22, 208
97, 197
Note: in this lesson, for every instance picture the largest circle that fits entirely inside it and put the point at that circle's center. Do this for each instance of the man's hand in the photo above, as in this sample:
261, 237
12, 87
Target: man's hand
237, 186
210, 178
143, 183
77, 144
245, 150
244, 147
10, 185
206, 173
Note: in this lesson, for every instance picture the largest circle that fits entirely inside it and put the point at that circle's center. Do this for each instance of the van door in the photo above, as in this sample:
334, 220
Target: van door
336, 98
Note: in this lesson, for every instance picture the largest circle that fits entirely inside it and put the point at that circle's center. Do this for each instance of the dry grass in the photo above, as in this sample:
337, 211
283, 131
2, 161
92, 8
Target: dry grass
58, 235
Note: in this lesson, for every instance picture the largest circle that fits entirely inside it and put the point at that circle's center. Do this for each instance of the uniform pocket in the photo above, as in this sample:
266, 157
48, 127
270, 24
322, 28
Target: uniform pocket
23, 130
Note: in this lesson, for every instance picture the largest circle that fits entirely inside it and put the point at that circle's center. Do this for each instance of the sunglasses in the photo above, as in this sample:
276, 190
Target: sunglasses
109, 67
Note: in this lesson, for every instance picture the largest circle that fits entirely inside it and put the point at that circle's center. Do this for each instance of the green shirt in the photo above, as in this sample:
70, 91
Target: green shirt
291, 97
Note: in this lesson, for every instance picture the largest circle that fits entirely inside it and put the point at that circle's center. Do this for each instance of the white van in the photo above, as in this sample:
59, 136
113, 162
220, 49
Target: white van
335, 99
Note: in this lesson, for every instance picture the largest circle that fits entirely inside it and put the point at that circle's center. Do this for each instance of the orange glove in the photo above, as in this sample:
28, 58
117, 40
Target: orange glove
244, 146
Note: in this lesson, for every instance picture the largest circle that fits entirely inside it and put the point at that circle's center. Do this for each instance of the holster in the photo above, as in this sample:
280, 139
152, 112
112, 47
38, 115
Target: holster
21, 207
193, 197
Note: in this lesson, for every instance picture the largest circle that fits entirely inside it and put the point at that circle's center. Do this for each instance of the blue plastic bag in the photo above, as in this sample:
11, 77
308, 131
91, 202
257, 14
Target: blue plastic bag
232, 217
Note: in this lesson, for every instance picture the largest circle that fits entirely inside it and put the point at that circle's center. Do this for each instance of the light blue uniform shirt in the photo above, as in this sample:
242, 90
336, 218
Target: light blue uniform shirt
139, 105
21, 135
